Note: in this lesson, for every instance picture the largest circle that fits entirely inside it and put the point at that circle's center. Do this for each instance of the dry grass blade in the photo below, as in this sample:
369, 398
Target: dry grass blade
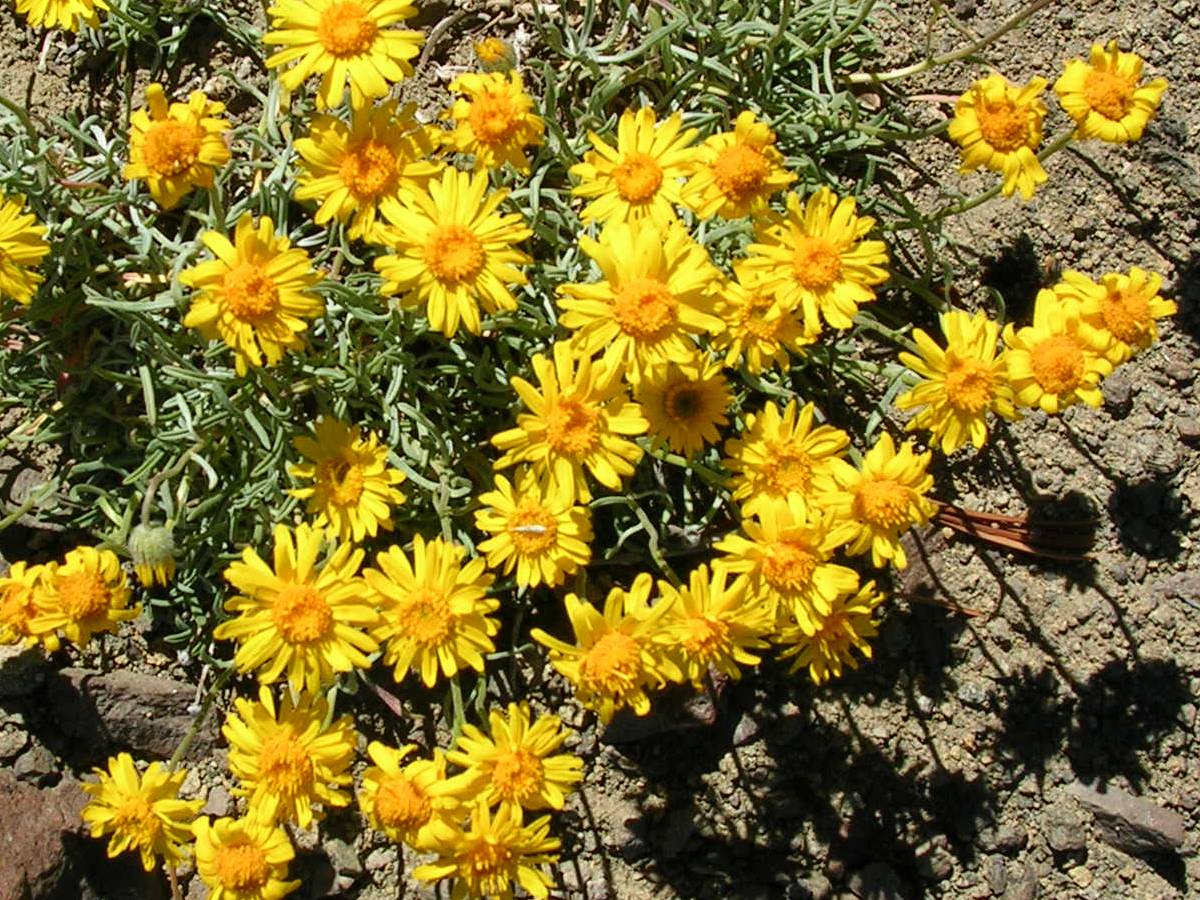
1068, 539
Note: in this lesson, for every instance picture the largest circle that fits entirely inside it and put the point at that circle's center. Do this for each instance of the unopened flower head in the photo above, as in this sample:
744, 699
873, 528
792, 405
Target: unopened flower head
495, 54
152, 549
1106, 97
999, 127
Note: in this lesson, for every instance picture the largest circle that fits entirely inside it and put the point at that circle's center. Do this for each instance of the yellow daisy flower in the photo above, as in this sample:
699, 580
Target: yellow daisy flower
846, 627
141, 812
352, 168
784, 560
343, 40
961, 382
353, 487
289, 758
539, 533
1126, 306
1104, 95
581, 418
685, 404
453, 252
255, 295
178, 147
243, 859
493, 853
22, 246
639, 178
87, 594
817, 261
874, 504
614, 659
513, 763
999, 127
65, 14
656, 294
19, 590
760, 332
411, 802
494, 121
711, 625
1059, 359
780, 455
737, 171
435, 610
300, 621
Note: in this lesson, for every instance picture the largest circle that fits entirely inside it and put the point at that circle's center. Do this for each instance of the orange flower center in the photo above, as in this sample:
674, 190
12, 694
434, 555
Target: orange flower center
613, 664
644, 308
400, 803
284, 764
241, 866
1126, 314
571, 427
369, 169
882, 503
489, 863
301, 614
345, 29
531, 528
740, 170
789, 565
816, 263
751, 318
517, 775
83, 594
788, 469
454, 254
1004, 127
638, 177
170, 147
684, 402
426, 617
1108, 93
135, 816
704, 637
969, 385
1057, 364
493, 118
343, 480
249, 292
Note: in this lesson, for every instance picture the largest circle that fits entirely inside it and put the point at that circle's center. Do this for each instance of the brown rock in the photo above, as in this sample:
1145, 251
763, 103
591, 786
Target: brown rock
33, 822
1132, 824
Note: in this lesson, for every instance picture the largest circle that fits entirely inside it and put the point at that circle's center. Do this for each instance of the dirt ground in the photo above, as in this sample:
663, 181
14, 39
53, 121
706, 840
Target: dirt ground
952, 765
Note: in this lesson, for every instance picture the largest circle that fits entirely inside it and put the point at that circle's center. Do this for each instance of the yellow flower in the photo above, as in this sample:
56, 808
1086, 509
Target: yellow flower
19, 590
353, 487
178, 147
614, 659
414, 803
1059, 359
255, 295
343, 40
539, 533
243, 859
711, 625
352, 169
495, 54
847, 626
656, 294
874, 504
141, 812
435, 611
65, 14
780, 456
737, 171
685, 404
1126, 306
453, 252
88, 593
289, 758
817, 261
300, 620
494, 852
494, 120
999, 127
784, 560
22, 246
514, 764
152, 549
640, 178
961, 383
759, 330
580, 418
1104, 97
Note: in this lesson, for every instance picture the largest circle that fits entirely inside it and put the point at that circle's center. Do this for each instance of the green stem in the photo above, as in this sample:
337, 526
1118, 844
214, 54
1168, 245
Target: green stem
205, 708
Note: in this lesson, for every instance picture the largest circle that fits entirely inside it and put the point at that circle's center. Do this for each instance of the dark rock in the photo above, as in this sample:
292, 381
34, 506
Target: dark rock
965, 9
996, 872
33, 822
1118, 394
35, 765
1008, 839
316, 874
22, 671
1022, 884
1063, 830
679, 827
1188, 428
1132, 824
815, 887
747, 730
877, 881
934, 863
